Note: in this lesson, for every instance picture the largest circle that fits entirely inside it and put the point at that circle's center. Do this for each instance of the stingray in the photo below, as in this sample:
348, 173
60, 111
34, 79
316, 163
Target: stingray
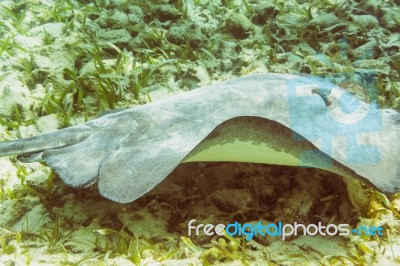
279, 119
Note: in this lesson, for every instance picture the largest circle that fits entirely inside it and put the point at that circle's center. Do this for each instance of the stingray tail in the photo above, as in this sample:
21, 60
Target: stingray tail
53, 140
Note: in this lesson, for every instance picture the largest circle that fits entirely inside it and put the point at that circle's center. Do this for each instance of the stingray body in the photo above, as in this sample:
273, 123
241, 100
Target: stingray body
262, 118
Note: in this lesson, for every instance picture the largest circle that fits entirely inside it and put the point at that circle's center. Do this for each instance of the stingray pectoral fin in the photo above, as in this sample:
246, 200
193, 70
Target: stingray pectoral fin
129, 173
57, 139
78, 165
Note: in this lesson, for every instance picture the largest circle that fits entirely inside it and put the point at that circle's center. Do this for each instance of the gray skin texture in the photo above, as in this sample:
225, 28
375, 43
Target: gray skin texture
129, 152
